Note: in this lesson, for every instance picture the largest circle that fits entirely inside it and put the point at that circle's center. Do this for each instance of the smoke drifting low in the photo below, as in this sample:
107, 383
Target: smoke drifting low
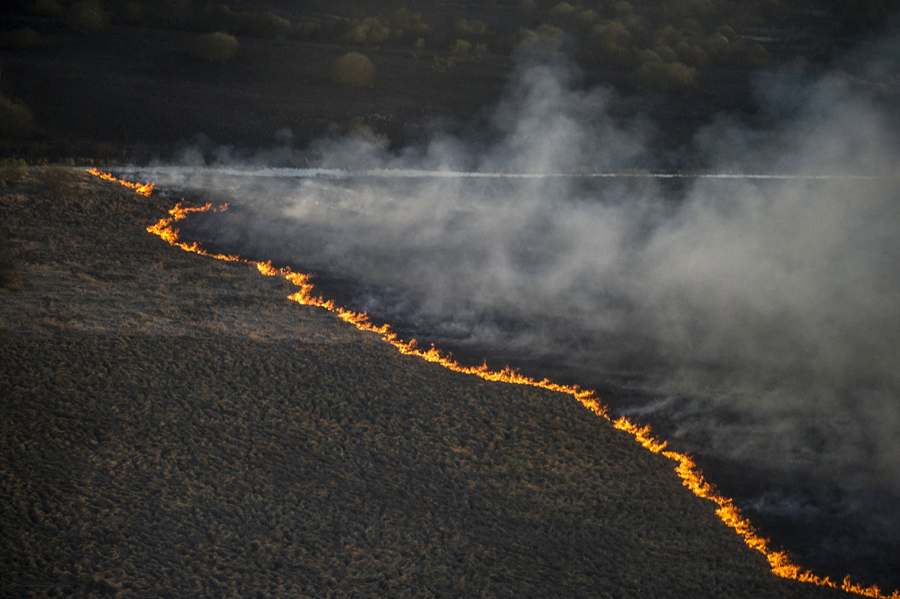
760, 316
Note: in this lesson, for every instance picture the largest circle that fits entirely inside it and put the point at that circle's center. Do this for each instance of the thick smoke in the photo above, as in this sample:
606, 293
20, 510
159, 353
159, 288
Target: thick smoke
762, 316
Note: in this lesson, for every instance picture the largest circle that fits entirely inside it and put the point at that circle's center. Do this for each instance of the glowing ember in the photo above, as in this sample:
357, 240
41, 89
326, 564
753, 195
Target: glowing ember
685, 466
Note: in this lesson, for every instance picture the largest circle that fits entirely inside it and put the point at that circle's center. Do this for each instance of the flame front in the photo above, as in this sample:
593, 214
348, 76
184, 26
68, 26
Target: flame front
685, 467
145, 189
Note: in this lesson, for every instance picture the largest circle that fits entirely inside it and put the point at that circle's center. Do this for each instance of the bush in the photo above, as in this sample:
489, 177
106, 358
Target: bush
461, 48
666, 53
15, 118
410, 25
307, 30
24, 38
215, 47
369, 31
717, 47
690, 54
473, 29
655, 74
87, 16
217, 17
354, 69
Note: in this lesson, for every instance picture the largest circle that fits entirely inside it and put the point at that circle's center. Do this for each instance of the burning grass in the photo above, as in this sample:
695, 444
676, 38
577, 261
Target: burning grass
170, 427
690, 474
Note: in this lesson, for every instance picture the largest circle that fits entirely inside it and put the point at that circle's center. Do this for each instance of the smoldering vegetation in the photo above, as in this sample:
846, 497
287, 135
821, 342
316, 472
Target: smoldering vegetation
755, 321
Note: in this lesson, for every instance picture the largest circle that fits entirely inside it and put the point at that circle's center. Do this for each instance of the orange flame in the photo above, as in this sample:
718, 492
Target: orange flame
690, 474
145, 189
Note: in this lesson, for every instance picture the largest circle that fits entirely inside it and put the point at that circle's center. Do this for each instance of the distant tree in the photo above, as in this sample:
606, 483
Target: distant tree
368, 31
471, 30
215, 47
461, 48
354, 69
217, 17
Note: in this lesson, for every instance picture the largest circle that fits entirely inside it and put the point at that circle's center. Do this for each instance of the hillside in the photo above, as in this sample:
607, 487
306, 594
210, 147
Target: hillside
173, 426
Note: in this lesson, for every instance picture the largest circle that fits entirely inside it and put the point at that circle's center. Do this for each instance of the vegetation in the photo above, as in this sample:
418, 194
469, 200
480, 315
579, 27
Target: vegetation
215, 47
354, 69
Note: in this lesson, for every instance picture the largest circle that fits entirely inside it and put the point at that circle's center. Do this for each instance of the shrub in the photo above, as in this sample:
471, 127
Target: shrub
215, 47
409, 25
681, 77
354, 69
307, 30
24, 38
87, 16
217, 17
690, 54
717, 46
610, 34
461, 48
473, 29
666, 53
370, 31
15, 118
571, 18
655, 74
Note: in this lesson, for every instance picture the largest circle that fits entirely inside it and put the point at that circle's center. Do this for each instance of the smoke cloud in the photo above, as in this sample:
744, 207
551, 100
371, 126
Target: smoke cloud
759, 317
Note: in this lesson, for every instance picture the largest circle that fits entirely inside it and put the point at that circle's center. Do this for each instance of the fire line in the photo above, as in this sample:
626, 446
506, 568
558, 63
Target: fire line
780, 562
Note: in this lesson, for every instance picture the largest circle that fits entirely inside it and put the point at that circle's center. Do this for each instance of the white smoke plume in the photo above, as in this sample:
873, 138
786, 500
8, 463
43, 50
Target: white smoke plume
763, 314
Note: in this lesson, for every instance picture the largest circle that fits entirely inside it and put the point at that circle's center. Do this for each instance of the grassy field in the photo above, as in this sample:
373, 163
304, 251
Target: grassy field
173, 426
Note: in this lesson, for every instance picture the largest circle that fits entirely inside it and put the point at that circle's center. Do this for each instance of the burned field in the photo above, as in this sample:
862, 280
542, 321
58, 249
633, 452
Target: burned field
174, 426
